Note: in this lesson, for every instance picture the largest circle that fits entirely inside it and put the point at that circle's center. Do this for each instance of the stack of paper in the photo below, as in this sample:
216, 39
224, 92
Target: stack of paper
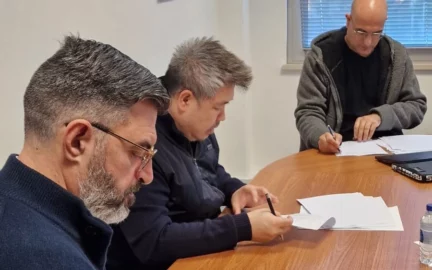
393, 144
407, 143
348, 211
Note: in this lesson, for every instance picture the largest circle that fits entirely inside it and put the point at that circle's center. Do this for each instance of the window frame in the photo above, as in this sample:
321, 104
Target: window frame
421, 57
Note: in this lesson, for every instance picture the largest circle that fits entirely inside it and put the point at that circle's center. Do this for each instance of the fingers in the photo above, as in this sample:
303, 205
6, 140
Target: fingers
255, 196
361, 130
332, 145
338, 139
356, 128
236, 208
372, 130
283, 225
365, 126
273, 198
262, 191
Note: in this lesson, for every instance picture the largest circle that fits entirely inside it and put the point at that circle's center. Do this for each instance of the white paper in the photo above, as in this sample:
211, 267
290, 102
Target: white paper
396, 225
354, 148
352, 210
346, 208
408, 143
311, 222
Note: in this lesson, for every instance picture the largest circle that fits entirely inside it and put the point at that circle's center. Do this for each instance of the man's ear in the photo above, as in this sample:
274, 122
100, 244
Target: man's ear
184, 99
348, 19
78, 140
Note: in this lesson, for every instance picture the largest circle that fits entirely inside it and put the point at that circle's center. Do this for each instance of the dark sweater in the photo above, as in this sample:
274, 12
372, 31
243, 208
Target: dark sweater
401, 104
42, 226
360, 81
176, 216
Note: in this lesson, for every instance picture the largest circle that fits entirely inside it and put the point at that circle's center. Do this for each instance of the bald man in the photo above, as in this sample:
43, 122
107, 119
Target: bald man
358, 81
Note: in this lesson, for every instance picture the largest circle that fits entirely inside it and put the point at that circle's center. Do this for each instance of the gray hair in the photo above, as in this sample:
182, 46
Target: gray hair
87, 79
204, 65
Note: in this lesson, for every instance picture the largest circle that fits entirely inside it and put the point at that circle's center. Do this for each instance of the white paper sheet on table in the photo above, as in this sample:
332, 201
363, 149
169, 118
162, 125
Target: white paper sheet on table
311, 222
345, 208
407, 143
354, 148
354, 211
394, 211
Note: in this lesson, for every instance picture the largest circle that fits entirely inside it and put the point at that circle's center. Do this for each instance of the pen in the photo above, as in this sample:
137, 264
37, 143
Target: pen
272, 209
333, 134
331, 131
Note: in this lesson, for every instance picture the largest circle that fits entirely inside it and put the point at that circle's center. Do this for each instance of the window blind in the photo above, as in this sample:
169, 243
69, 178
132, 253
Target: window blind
409, 21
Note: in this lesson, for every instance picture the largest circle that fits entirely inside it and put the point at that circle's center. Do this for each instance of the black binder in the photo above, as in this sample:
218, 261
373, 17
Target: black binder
418, 171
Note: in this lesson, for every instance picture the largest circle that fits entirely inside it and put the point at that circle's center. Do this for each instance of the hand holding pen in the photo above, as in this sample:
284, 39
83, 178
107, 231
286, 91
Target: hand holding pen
330, 142
267, 225
270, 204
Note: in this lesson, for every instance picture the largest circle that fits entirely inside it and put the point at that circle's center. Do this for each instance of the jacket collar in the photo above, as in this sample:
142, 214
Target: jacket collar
166, 125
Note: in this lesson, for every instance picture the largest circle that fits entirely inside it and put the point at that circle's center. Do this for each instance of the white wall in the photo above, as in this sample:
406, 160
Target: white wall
271, 132
30, 32
260, 125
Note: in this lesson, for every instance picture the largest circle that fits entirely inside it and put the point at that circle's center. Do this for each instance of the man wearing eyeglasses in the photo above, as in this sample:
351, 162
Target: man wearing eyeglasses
358, 81
178, 215
89, 120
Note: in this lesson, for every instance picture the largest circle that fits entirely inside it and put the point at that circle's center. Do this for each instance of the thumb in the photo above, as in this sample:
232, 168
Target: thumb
338, 138
236, 208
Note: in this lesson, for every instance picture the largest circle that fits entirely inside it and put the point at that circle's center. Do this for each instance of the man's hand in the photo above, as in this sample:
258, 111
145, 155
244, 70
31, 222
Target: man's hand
365, 126
329, 145
250, 196
266, 226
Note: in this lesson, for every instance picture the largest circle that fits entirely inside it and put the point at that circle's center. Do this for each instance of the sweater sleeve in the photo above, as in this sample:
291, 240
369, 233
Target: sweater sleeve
311, 108
411, 107
156, 239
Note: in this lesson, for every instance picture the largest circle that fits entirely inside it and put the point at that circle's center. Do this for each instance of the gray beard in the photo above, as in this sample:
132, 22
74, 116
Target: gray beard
101, 196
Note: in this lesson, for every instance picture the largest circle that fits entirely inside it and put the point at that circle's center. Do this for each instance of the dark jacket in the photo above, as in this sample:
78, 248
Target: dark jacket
42, 226
402, 105
176, 216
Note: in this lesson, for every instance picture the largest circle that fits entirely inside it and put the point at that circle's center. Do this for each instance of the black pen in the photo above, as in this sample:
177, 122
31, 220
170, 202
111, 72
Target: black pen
272, 209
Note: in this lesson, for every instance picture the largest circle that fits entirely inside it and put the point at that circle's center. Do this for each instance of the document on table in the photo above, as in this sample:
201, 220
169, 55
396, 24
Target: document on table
394, 211
407, 143
394, 144
350, 211
311, 222
354, 148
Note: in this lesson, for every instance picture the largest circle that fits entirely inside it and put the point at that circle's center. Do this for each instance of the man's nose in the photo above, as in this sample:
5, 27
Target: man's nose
146, 174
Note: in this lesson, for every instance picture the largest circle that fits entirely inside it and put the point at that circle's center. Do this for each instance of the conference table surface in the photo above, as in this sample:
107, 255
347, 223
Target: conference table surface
309, 174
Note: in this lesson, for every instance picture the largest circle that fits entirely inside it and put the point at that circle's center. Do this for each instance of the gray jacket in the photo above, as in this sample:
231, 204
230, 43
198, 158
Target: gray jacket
318, 98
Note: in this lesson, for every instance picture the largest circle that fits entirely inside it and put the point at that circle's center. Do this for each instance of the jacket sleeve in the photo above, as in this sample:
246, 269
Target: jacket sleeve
156, 239
311, 108
225, 182
409, 110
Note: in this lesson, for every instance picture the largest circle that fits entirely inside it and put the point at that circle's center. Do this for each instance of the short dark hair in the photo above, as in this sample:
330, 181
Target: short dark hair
87, 79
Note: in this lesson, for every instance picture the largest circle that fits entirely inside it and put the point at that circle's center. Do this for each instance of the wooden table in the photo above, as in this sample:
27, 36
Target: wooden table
309, 174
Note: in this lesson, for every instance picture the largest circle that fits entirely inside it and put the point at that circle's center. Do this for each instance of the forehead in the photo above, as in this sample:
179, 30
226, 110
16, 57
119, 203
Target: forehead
140, 123
368, 23
224, 94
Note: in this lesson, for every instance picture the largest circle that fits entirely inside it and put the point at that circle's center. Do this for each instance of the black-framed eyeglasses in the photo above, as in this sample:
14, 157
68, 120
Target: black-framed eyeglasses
147, 154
